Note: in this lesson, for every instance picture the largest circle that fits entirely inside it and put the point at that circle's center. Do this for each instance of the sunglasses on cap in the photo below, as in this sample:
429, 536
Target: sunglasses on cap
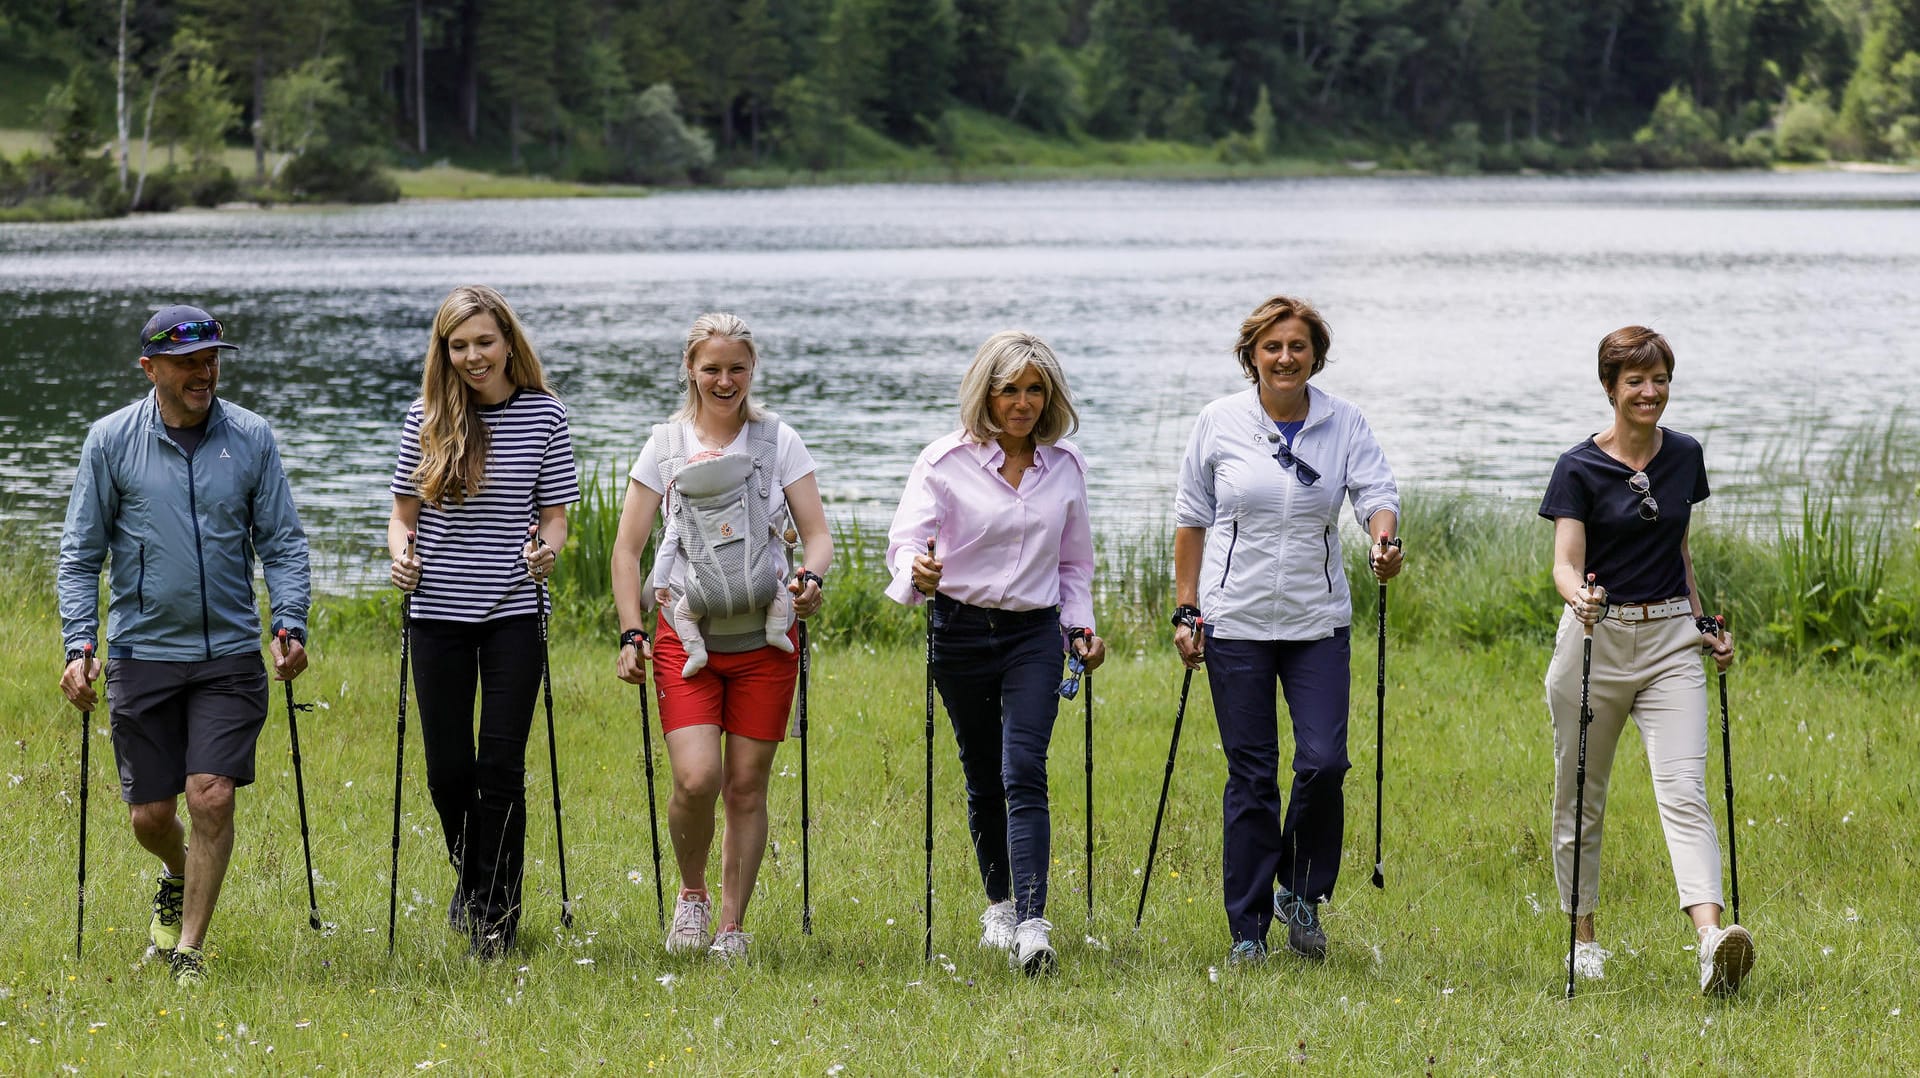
195, 332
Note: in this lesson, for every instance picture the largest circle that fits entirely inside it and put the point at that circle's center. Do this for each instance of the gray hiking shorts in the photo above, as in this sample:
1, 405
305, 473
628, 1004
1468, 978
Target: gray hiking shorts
174, 719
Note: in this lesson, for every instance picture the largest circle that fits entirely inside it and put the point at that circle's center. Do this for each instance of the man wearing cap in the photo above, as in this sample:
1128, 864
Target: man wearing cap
175, 493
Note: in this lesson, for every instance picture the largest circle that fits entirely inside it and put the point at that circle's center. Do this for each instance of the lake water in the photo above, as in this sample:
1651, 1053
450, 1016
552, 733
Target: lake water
1465, 315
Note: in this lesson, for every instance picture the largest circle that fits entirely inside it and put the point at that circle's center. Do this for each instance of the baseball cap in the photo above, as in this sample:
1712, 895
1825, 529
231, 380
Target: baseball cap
180, 329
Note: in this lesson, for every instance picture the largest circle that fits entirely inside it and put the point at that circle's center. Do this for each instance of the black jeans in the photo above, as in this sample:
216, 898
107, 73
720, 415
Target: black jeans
998, 672
480, 790
1303, 853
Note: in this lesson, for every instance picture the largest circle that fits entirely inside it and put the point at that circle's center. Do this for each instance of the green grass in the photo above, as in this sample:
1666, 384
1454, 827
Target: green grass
1452, 969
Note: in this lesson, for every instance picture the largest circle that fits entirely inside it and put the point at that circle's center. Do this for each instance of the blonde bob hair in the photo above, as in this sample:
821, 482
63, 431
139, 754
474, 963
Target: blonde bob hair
998, 362
716, 326
453, 438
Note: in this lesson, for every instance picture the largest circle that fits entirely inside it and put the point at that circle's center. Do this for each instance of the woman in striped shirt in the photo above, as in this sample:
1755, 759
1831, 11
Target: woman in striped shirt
485, 469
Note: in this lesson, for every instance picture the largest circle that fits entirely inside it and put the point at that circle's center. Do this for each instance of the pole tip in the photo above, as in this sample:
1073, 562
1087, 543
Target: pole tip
88, 648
1590, 578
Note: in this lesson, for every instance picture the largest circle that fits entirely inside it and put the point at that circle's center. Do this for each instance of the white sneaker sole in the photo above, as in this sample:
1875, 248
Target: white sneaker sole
1732, 961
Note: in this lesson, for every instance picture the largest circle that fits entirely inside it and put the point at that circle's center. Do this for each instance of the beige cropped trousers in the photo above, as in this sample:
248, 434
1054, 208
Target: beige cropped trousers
1651, 670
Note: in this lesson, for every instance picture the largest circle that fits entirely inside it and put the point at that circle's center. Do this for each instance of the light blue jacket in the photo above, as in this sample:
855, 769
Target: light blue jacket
178, 536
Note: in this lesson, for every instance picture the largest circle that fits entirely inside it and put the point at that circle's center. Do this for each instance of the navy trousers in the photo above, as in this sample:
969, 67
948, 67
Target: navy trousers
998, 672
1301, 851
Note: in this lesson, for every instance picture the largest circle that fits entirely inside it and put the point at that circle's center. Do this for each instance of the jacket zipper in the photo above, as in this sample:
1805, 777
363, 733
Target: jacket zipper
1231, 543
1326, 561
200, 559
140, 582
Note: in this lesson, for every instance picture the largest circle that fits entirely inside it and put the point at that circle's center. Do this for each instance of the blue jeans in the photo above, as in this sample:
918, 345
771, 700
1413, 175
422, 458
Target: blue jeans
998, 672
1303, 852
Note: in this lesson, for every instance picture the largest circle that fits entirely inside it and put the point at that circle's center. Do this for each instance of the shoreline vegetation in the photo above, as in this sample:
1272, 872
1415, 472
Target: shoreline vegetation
445, 181
141, 108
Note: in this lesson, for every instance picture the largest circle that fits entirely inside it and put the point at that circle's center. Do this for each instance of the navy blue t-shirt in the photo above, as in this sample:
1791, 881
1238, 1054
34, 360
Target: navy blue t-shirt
1636, 560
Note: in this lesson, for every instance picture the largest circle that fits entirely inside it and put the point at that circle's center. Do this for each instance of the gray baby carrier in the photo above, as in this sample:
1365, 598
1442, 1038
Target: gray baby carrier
726, 510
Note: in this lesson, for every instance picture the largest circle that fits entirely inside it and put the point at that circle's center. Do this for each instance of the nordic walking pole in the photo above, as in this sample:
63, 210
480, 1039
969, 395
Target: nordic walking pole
1580, 789
80, 891
1089, 680
1380, 732
653, 817
806, 820
300, 793
927, 949
399, 756
553, 756
1726, 756
1166, 783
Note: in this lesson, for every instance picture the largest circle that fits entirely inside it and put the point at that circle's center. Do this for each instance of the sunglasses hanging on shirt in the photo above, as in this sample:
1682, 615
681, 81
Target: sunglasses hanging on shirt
1641, 485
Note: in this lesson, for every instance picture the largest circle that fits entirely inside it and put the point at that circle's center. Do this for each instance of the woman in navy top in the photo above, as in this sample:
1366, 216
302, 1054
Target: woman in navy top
1620, 503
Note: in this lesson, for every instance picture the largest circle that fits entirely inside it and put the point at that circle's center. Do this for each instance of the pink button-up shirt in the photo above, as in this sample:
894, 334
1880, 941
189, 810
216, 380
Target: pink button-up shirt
1005, 548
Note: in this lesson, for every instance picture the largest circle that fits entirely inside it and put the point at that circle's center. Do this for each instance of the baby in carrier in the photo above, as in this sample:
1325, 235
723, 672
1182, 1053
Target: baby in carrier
724, 570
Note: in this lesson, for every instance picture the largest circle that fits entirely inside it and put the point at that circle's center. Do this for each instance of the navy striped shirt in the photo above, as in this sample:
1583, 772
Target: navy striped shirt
471, 565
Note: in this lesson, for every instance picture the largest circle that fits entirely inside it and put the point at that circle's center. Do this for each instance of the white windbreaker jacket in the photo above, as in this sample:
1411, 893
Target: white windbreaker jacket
1272, 569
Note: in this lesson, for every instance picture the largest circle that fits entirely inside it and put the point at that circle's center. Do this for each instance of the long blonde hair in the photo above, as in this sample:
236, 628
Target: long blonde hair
716, 326
453, 439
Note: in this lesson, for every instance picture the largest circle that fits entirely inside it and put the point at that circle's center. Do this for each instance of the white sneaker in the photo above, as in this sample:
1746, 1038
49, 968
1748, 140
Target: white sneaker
1590, 960
1726, 954
730, 945
689, 931
997, 925
1032, 952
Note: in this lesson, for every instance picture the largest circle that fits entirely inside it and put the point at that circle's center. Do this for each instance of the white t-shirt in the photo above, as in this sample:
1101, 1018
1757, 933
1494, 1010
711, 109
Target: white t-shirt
792, 463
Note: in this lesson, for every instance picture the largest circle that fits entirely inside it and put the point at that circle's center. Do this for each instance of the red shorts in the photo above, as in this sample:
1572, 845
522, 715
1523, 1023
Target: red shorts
749, 693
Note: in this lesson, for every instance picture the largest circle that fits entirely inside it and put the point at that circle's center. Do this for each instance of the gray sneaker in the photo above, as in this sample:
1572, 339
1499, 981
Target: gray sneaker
1305, 937
1247, 953
730, 946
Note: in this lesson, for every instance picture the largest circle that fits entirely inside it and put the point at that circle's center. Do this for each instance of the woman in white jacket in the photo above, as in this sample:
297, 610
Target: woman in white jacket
1263, 597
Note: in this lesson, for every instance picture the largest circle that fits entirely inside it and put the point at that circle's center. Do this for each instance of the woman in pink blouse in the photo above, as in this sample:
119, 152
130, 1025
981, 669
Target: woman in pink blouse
1004, 500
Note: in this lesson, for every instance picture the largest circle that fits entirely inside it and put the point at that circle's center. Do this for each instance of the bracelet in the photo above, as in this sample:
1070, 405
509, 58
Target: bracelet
1079, 632
298, 635
818, 580
632, 637
77, 653
1186, 614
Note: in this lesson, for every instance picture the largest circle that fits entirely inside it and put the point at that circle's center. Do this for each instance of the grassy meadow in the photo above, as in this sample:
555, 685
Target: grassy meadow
1454, 968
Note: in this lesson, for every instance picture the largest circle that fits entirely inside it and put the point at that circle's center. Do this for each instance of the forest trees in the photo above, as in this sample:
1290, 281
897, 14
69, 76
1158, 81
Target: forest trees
669, 91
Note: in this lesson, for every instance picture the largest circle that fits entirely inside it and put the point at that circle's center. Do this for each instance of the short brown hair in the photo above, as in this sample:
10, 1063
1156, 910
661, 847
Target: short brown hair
1273, 312
1631, 348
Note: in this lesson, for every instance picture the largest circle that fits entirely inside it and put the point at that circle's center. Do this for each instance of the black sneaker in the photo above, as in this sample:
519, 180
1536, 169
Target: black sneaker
1305, 937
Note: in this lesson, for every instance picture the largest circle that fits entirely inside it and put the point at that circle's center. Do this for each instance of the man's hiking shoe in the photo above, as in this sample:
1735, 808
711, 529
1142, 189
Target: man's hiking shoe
1032, 951
187, 966
1726, 954
168, 898
1305, 937
997, 925
689, 932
